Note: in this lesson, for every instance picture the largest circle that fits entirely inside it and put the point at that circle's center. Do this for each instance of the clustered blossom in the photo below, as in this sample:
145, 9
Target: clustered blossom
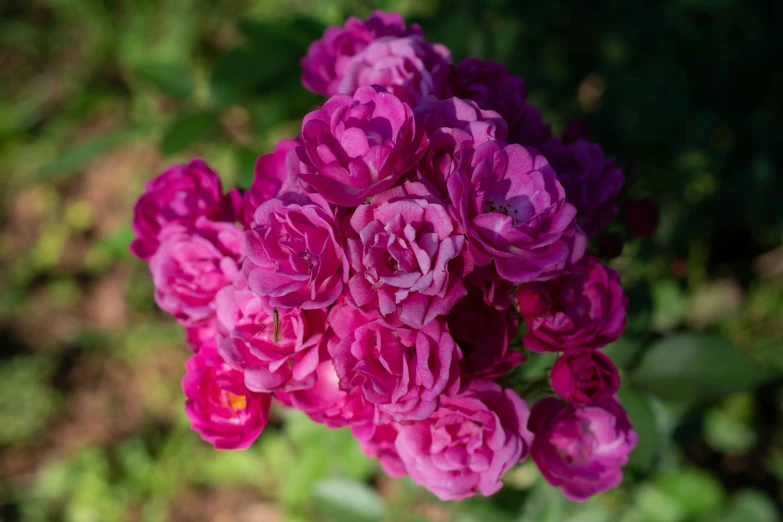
376, 273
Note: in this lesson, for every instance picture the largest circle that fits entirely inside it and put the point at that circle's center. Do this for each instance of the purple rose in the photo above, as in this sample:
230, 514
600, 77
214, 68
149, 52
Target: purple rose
409, 67
469, 443
512, 209
402, 371
530, 129
356, 147
581, 449
191, 265
407, 256
327, 58
294, 256
272, 176
378, 442
582, 378
220, 408
483, 333
455, 128
496, 291
575, 242
490, 86
181, 194
276, 349
587, 310
591, 180
326, 403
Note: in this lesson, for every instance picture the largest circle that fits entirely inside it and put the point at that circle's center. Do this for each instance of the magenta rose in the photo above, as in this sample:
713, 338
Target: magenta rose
407, 256
358, 146
585, 377
512, 209
591, 180
378, 442
276, 349
272, 176
327, 58
181, 194
469, 443
581, 449
496, 291
409, 67
483, 333
587, 310
294, 255
455, 128
402, 371
575, 241
326, 403
191, 265
220, 408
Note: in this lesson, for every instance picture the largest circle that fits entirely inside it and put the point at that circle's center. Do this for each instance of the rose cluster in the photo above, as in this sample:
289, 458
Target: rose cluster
376, 273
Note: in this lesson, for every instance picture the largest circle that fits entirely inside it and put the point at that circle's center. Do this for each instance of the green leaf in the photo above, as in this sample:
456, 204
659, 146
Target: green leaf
697, 492
750, 506
642, 416
692, 367
345, 500
168, 78
188, 129
78, 156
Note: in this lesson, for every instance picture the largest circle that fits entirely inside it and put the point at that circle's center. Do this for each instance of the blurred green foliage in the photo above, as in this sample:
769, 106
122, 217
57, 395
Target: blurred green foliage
97, 97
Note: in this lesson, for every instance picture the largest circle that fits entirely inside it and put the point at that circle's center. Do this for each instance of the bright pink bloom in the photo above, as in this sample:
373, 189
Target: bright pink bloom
455, 128
512, 209
358, 146
326, 403
591, 180
587, 311
583, 378
201, 334
378, 442
469, 443
402, 371
273, 175
220, 408
581, 449
407, 256
181, 194
191, 265
276, 349
410, 67
327, 59
294, 255
483, 333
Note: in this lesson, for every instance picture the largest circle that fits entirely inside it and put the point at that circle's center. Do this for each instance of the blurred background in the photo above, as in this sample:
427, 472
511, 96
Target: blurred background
96, 97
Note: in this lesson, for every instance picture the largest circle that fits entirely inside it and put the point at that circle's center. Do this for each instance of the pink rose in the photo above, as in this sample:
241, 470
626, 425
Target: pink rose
294, 256
402, 371
581, 449
201, 334
356, 147
489, 85
378, 442
591, 180
220, 408
483, 333
455, 128
192, 265
275, 349
327, 58
469, 443
512, 209
326, 403
409, 67
273, 175
180, 195
587, 310
407, 256
585, 377
575, 242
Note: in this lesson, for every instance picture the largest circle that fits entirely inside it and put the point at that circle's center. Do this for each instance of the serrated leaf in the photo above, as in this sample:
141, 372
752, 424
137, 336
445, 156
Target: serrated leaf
188, 129
642, 416
692, 367
168, 78
345, 500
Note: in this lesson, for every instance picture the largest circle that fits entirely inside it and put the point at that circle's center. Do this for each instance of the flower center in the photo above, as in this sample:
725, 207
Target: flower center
235, 402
